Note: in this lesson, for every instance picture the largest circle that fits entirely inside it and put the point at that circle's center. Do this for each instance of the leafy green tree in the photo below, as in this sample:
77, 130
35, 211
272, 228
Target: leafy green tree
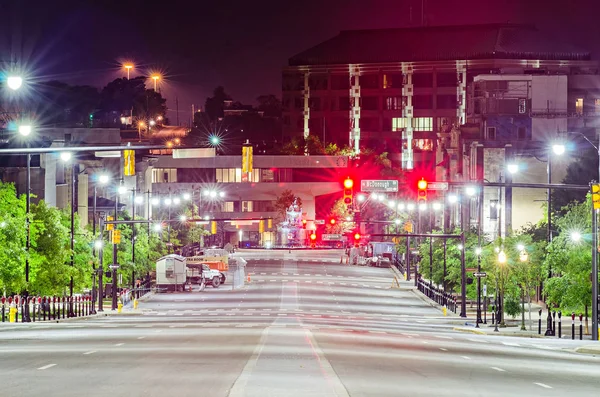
569, 259
580, 172
83, 258
50, 253
12, 240
339, 212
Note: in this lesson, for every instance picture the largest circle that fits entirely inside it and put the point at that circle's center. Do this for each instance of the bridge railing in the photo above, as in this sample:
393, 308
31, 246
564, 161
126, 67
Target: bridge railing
437, 295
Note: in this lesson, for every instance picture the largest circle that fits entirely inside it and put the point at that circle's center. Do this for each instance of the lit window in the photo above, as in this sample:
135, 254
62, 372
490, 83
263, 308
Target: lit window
247, 206
385, 81
227, 206
422, 123
164, 175
579, 106
597, 104
398, 123
237, 175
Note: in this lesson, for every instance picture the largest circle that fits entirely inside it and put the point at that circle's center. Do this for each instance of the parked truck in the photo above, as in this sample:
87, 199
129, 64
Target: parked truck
174, 272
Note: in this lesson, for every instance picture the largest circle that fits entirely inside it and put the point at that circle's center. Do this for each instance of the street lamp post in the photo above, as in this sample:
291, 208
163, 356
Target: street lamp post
128, 67
102, 179
155, 77
25, 131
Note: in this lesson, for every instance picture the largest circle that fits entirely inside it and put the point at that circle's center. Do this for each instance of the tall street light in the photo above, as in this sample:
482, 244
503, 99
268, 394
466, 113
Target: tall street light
155, 77
66, 158
25, 131
499, 310
102, 180
14, 82
557, 149
128, 67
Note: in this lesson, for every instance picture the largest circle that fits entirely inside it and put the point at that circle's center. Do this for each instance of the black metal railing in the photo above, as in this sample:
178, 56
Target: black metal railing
38, 308
437, 295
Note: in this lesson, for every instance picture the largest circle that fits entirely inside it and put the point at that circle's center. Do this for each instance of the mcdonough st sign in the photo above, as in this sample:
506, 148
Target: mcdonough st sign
379, 186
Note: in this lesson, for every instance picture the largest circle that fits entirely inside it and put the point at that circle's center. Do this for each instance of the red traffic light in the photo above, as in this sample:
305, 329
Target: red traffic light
357, 236
332, 221
313, 237
304, 221
348, 183
422, 184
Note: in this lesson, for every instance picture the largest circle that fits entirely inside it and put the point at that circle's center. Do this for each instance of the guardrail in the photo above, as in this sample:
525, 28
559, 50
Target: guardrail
437, 295
32, 308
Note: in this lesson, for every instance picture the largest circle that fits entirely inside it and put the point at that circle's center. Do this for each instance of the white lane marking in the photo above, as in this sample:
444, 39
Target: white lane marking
47, 366
119, 344
377, 332
408, 334
443, 337
425, 342
477, 340
511, 344
443, 349
141, 337
466, 358
90, 352
308, 282
319, 282
498, 369
272, 280
545, 386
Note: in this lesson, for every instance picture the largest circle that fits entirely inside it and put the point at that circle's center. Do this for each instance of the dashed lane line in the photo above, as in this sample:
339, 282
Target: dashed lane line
498, 369
466, 358
90, 352
545, 386
47, 366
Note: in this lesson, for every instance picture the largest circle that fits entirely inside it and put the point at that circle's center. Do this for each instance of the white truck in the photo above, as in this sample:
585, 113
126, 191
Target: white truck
174, 272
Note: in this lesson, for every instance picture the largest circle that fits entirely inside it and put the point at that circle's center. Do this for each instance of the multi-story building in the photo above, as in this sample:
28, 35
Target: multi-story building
451, 98
241, 199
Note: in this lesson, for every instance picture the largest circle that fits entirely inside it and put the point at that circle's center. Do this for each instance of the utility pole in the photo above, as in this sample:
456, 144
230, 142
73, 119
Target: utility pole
115, 259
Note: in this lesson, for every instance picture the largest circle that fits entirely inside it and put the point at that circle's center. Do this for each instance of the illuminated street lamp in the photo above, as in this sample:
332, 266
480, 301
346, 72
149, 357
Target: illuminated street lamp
128, 67
65, 156
14, 82
155, 77
513, 168
575, 236
558, 149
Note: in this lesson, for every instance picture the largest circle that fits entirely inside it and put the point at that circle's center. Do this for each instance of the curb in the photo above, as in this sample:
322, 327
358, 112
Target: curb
479, 332
594, 350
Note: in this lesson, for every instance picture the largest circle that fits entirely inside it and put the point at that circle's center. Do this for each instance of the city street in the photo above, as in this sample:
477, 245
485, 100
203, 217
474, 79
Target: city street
305, 325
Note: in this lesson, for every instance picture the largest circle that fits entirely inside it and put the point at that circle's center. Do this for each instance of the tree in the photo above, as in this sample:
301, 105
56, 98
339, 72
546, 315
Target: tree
122, 96
270, 105
214, 106
50, 252
12, 240
580, 172
284, 200
339, 213
569, 259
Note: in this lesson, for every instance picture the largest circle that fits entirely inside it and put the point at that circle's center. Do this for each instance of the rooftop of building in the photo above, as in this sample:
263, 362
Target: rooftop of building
439, 43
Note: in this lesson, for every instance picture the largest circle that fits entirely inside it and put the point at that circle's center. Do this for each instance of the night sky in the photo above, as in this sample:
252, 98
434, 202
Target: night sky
241, 45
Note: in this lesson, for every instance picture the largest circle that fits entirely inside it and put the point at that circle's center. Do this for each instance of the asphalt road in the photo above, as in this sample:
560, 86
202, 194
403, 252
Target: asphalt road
305, 326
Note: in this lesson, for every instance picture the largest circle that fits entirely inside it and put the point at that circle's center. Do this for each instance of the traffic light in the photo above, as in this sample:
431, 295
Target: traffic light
422, 190
332, 221
213, 227
348, 194
357, 237
313, 236
110, 226
303, 223
595, 195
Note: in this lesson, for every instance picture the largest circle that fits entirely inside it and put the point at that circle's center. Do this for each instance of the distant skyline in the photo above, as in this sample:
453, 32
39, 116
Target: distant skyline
240, 45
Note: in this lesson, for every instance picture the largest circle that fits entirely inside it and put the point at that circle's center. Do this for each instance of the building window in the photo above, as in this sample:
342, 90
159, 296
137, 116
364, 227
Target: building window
597, 105
422, 80
446, 80
422, 101
421, 145
368, 81
247, 206
315, 103
267, 176
298, 103
446, 102
370, 103
393, 103
522, 133
164, 175
579, 106
369, 123
340, 82
422, 124
398, 123
232, 175
227, 206
344, 103
491, 133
